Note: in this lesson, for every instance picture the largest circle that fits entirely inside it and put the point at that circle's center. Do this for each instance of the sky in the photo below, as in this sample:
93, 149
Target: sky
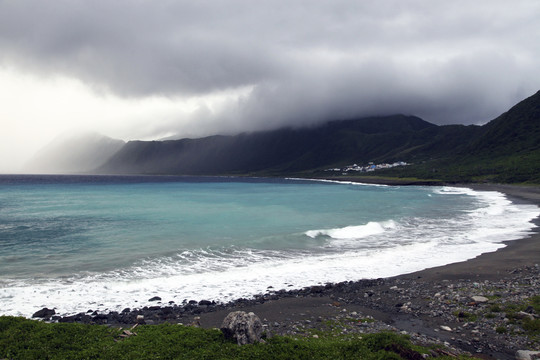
150, 69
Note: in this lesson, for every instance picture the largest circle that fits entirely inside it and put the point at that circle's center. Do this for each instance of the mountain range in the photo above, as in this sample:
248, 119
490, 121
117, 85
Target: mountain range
507, 149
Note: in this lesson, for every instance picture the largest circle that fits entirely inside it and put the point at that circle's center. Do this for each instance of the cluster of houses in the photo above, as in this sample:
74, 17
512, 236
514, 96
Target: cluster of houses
368, 168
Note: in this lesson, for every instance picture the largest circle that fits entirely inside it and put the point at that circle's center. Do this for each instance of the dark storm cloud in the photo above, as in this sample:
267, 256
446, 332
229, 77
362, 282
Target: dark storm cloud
135, 47
307, 61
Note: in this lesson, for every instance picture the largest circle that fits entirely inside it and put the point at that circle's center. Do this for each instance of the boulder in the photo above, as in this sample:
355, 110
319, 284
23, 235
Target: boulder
44, 313
527, 355
245, 328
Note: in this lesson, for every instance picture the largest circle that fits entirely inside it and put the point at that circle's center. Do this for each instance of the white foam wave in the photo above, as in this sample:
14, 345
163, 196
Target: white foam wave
495, 218
344, 182
133, 288
452, 190
354, 232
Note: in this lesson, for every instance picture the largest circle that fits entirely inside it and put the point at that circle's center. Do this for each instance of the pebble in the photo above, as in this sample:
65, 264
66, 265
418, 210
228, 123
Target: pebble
480, 299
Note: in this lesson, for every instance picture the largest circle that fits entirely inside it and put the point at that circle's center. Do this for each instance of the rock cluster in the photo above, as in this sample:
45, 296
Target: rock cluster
477, 316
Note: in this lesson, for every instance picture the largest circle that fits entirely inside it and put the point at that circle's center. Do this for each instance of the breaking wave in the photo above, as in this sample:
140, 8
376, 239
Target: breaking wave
354, 232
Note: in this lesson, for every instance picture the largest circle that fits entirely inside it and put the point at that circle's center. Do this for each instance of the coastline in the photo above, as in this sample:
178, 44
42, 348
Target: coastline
410, 303
508, 266
516, 253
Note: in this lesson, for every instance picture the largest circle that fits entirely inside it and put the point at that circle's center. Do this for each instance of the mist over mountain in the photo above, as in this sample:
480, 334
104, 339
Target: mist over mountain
191, 69
283, 150
506, 149
71, 154
452, 152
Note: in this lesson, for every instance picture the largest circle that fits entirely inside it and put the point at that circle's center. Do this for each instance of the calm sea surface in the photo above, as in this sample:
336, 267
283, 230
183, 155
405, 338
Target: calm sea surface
105, 243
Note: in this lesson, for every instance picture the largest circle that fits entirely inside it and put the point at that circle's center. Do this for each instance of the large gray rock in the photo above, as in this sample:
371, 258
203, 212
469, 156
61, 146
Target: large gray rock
245, 328
527, 355
44, 313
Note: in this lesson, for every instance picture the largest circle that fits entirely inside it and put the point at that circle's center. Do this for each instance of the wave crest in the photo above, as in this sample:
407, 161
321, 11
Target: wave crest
354, 232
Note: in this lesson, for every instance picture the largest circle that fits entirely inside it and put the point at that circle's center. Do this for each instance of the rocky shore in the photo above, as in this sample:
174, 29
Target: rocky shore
482, 317
488, 306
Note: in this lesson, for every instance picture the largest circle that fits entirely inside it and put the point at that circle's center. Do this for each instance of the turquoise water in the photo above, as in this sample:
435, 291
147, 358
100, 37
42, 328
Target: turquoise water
109, 242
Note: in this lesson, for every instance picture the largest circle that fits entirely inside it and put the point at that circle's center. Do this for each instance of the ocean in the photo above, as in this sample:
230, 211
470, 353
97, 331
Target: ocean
78, 243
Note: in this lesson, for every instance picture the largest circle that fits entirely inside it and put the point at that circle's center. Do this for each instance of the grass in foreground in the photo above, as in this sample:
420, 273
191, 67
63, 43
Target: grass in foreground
530, 325
28, 339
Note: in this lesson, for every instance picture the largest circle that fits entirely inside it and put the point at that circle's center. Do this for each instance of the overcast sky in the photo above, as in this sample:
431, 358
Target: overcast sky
147, 69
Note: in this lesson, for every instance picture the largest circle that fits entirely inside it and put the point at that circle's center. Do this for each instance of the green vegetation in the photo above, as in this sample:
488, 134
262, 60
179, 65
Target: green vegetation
519, 314
515, 313
535, 303
28, 339
479, 168
533, 325
465, 315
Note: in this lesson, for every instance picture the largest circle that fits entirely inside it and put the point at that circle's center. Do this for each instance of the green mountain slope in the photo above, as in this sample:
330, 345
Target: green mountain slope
507, 150
514, 131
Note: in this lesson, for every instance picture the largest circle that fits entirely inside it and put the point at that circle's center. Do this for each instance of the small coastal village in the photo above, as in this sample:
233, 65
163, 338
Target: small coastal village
367, 168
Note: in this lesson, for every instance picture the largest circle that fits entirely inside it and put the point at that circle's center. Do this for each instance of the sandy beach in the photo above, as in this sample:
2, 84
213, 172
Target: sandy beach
435, 305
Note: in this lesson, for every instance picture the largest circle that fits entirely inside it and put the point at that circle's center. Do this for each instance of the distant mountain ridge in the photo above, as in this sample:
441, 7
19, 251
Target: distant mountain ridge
447, 152
507, 149
278, 151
